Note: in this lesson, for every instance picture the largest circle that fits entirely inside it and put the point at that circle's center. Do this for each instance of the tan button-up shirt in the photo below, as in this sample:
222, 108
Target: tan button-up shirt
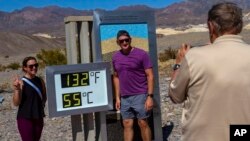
214, 82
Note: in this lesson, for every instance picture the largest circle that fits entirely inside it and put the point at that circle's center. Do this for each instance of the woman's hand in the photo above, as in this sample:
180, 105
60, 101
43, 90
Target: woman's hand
16, 83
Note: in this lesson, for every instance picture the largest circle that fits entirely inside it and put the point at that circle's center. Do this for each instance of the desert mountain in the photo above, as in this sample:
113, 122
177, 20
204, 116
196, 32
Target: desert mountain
18, 27
16, 44
32, 20
49, 19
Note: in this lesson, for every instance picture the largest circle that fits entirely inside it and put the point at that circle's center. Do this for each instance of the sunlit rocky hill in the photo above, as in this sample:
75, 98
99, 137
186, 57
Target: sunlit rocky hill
28, 30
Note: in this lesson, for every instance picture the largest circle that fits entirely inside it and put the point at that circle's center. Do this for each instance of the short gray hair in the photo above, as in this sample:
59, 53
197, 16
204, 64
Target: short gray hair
226, 17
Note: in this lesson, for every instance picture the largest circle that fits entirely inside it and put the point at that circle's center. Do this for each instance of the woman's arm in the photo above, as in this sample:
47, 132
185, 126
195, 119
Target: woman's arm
17, 95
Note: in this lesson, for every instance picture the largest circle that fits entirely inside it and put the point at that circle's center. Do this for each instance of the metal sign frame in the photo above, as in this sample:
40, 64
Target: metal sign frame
134, 17
128, 17
51, 71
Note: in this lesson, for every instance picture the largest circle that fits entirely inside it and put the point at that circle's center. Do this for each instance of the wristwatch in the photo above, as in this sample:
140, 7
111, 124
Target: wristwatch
151, 95
176, 66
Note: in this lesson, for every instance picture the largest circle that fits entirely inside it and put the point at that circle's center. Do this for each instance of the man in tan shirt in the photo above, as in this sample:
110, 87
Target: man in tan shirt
214, 80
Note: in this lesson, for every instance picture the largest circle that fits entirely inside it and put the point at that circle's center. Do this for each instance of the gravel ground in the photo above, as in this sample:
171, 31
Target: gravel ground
59, 129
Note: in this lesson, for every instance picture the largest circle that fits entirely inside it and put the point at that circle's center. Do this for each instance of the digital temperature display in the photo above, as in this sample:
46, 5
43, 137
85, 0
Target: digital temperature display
71, 99
75, 79
79, 88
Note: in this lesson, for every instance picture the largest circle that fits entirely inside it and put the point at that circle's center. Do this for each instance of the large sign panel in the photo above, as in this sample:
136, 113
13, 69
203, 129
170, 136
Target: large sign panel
77, 89
141, 26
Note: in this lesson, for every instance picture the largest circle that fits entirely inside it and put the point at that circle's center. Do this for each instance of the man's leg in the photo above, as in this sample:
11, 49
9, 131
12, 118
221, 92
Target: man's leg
128, 118
145, 129
128, 129
142, 115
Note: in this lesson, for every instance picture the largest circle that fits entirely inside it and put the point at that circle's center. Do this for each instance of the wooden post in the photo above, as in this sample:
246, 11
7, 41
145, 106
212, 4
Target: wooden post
78, 43
72, 53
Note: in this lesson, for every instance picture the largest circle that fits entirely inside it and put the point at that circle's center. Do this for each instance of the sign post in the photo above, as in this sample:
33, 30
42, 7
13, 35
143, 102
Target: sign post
85, 44
79, 50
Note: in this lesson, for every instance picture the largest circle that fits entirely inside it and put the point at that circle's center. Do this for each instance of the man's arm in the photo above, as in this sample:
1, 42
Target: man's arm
117, 91
150, 79
180, 77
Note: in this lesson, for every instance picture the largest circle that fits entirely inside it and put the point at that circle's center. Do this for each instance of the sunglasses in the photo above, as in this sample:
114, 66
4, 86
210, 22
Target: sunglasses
33, 65
126, 40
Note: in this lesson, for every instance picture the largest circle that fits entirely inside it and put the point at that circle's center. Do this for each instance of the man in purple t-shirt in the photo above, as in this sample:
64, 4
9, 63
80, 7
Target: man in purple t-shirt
133, 82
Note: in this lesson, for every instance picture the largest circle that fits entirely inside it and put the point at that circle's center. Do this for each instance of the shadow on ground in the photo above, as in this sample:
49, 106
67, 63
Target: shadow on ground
166, 130
115, 130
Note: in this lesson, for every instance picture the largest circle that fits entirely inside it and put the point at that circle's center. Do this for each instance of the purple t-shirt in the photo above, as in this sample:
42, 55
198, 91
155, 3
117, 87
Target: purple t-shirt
131, 71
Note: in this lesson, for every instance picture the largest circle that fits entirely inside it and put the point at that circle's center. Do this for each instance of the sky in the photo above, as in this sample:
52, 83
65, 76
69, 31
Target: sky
11, 5
135, 30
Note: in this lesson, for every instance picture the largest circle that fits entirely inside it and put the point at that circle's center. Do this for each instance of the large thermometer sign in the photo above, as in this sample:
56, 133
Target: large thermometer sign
77, 89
